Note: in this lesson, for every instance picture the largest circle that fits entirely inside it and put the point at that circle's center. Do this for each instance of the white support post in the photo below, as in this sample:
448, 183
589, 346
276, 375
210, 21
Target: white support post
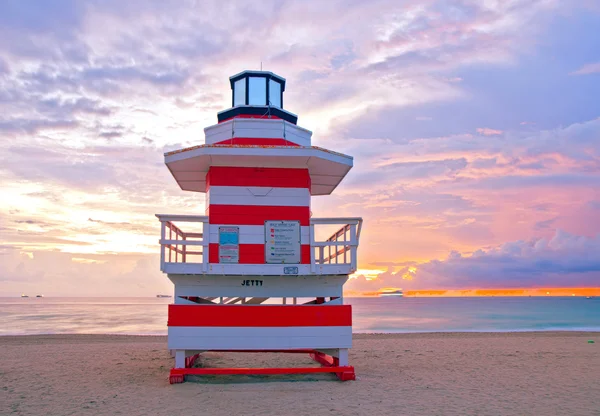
345, 244
170, 238
353, 248
205, 243
343, 356
180, 359
336, 248
162, 246
311, 231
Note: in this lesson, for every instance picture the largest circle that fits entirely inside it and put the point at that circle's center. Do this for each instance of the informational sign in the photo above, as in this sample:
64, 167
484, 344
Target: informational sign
282, 242
229, 244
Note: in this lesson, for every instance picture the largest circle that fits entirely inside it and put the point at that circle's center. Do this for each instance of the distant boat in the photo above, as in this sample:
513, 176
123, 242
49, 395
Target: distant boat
39, 296
387, 291
164, 296
24, 296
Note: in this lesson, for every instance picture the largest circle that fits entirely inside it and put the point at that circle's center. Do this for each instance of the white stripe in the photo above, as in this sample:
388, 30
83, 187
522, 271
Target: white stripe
257, 128
271, 286
240, 338
256, 195
304, 270
255, 234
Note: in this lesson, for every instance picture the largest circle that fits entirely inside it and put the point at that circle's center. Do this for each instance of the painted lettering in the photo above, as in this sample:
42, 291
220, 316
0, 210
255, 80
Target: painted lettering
252, 282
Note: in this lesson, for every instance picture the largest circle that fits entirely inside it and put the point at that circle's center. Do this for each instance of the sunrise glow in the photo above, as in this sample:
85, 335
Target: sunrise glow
470, 175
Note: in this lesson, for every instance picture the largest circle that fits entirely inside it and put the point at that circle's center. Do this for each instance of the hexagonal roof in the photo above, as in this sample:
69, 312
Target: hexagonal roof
326, 168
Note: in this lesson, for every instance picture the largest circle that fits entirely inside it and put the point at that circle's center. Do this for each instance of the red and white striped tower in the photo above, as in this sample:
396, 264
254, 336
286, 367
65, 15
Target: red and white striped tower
259, 277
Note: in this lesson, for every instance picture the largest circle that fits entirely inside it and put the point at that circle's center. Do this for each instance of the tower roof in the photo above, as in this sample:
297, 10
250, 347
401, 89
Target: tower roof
325, 167
267, 74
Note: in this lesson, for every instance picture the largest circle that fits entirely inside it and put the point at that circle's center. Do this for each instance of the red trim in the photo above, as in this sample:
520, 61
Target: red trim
250, 116
177, 374
244, 176
249, 141
329, 365
254, 253
260, 316
293, 351
256, 214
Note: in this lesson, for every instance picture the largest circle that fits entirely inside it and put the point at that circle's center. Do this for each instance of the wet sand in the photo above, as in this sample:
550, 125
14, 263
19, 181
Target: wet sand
545, 373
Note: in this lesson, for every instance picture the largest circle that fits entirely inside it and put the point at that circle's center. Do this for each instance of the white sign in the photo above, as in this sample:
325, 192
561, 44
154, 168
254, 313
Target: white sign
282, 242
229, 244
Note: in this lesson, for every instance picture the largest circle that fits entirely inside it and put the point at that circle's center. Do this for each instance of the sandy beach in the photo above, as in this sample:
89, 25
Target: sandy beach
547, 373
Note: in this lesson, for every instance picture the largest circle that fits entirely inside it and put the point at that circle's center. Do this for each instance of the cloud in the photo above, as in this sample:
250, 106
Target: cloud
91, 93
587, 69
89, 275
564, 260
546, 224
16, 126
489, 132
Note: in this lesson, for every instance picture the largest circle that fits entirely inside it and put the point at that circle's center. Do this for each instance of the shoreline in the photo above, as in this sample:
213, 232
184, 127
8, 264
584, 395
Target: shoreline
564, 332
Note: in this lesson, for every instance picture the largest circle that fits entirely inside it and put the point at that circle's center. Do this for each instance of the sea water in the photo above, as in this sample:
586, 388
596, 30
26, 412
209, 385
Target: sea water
148, 316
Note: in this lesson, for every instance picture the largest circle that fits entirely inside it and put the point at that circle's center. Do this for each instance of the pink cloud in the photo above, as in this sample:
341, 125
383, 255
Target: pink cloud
587, 69
489, 132
563, 259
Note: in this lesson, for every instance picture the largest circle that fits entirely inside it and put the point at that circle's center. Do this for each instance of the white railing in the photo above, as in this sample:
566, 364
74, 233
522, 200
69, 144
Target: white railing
341, 247
185, 244
187, 252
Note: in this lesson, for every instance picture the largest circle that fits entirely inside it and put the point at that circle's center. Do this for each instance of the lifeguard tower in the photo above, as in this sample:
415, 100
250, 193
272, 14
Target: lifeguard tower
259, 273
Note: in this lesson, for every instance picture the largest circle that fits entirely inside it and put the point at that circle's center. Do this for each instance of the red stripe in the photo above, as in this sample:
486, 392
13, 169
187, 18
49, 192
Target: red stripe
256, 214
250, 116
249, 141
254, 253
268, 370
260, 315
271, 177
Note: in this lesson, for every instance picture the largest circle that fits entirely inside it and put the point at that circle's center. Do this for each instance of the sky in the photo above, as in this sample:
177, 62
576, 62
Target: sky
474, 127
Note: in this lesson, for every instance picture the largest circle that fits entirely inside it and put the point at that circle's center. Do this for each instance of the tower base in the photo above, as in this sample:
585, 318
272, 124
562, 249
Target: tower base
329, 364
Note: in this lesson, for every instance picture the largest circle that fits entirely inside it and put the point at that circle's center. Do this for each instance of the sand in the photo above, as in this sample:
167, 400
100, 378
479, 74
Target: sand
544, 373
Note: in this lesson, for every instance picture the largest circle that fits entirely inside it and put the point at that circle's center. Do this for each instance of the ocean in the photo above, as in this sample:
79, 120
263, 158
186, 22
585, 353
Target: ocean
148, 316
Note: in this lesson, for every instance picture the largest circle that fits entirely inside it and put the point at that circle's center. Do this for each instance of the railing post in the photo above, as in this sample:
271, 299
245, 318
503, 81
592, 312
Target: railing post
162, 246
170, 238
311, 239
336, 248
184, 254
353, 247
176, 246
345, 244
205, 245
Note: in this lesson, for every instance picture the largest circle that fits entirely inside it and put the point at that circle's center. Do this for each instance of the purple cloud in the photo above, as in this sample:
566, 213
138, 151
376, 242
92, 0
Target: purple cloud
564, 260
588, 69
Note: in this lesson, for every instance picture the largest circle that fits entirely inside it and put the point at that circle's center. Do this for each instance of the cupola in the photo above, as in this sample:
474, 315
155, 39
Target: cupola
257, 94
